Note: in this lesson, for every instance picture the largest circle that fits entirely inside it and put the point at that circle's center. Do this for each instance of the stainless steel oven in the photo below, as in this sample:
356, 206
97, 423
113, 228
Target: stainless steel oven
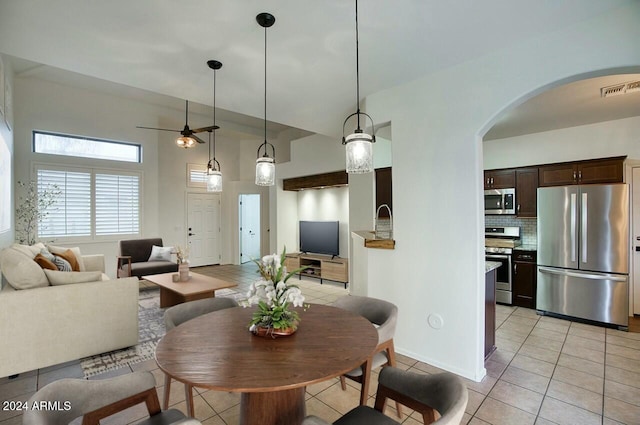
503, 273
499, 244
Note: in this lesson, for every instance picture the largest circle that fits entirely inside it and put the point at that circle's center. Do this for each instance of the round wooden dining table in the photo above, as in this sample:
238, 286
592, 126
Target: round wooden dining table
217, 351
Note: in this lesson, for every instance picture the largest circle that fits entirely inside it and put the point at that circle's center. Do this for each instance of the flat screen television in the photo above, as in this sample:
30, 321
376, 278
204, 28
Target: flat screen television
319, 237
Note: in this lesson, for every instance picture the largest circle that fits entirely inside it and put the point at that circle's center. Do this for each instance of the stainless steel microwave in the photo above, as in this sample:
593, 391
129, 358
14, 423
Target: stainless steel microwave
500, 201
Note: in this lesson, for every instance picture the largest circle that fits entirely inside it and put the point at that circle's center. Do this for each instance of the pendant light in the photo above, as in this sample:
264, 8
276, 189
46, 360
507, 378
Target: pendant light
265, 165
359, 145
214, 173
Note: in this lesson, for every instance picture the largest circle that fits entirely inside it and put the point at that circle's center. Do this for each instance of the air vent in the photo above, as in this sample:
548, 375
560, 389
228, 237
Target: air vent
618, 89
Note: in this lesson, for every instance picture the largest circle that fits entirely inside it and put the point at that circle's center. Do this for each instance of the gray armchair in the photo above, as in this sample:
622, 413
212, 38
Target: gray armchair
385, 315
133, 259
95, 400
177, 315
444, 393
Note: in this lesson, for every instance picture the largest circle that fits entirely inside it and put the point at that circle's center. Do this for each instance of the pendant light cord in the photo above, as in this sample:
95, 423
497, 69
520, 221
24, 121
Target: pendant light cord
357, 69
265, 91
214, 115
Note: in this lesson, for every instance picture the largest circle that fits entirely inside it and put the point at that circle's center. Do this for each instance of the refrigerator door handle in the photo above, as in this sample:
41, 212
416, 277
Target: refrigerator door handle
583, 230
573, 227
582, 275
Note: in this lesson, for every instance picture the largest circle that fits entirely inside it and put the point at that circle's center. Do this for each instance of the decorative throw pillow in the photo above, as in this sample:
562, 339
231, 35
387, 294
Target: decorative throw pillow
44, 262
160, 253
62, 278
60, 263
57, 250
21, 271
71, 258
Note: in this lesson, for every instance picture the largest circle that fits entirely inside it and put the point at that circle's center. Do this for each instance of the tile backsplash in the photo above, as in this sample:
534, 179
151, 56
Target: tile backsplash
528, 226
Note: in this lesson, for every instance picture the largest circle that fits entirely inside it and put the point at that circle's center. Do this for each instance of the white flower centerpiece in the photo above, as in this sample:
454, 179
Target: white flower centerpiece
274, 296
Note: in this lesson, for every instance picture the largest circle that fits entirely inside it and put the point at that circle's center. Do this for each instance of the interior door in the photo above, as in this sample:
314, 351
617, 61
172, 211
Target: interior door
203, 228
249, 218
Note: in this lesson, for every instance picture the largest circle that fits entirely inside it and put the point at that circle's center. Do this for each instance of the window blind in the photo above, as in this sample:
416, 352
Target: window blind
117, 204
70, 214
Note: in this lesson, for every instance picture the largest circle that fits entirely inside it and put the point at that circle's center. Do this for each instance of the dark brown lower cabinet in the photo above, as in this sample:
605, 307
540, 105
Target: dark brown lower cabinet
524, 279
490, 313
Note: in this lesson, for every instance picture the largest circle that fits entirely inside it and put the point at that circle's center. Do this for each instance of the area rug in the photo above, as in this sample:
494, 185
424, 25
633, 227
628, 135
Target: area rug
150, 329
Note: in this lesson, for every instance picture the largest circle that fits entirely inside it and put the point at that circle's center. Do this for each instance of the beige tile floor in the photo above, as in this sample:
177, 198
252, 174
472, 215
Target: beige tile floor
545, 371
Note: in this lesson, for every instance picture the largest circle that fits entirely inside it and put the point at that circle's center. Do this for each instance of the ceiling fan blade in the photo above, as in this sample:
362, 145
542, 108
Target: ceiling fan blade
199, 140
210, 128
161, 129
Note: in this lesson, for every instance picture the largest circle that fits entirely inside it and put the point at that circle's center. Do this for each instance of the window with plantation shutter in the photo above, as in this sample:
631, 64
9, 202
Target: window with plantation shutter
117, 204
70, 214
196, 175
92, 203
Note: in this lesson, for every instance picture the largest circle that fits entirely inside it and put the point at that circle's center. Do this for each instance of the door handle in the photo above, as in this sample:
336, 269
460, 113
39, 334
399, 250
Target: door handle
592, 276
191, 234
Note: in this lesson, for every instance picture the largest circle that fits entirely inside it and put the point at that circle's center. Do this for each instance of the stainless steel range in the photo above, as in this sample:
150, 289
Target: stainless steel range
499, 243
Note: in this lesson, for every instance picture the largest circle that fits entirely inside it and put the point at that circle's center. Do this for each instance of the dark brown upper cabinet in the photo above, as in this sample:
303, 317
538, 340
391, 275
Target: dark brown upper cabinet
499, 179
605, 170
526, 192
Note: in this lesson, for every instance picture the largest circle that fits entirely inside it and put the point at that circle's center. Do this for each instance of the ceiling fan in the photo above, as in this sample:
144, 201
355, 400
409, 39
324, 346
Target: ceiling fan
188, 137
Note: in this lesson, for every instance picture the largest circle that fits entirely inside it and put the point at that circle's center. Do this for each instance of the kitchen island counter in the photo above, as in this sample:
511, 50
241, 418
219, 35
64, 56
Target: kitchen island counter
490, 307
491, 265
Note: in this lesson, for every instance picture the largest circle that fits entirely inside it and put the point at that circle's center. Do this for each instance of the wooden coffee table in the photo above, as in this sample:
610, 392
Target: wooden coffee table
196, 288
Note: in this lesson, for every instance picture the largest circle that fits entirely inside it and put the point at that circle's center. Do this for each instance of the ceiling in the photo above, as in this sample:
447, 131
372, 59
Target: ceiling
161, 47
569, 105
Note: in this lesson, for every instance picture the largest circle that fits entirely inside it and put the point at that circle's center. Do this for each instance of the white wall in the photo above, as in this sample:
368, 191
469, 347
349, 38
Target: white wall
326, 205
309, 155
48, 106
438, 264
7, 238
600, 140
42, 105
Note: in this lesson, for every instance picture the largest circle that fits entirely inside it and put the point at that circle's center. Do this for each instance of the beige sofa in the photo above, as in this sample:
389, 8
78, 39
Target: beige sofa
47, 325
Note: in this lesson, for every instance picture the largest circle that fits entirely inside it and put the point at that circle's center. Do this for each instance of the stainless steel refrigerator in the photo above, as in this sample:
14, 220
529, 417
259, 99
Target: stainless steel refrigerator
583, 252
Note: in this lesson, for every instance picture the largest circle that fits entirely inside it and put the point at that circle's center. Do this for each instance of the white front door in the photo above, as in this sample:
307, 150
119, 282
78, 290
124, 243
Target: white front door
203, 228
249, 218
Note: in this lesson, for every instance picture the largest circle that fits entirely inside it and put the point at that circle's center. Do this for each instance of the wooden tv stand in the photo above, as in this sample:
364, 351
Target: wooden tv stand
319, 266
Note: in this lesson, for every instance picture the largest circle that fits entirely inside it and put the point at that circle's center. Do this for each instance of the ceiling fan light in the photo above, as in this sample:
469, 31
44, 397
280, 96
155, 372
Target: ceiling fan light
185, 142
359, 150
214, 181
265, 171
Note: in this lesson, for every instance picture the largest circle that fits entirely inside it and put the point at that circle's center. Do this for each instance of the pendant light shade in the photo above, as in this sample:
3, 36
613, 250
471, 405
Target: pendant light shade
214, 181
265, 171
358, 145
214, 173
265, 164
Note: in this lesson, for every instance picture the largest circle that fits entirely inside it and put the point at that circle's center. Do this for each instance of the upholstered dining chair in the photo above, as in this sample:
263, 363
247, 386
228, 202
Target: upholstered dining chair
384, 315
177, 315
67, 399
444, 393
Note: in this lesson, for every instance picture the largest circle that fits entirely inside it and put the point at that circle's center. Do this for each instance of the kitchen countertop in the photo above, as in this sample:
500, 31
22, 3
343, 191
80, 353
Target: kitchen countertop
372, 241
491, 265
527, 247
